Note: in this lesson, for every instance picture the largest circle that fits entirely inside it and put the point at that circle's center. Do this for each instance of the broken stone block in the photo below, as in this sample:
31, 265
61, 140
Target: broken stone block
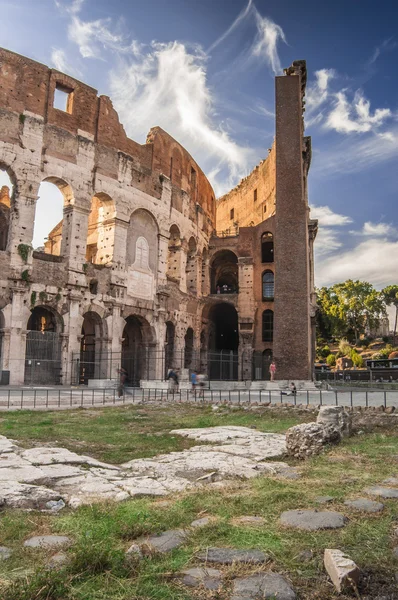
309, 439
337, 418
343, 572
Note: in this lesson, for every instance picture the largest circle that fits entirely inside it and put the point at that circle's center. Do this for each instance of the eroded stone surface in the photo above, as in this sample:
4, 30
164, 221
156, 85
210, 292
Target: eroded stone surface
32, 478
209, 579
341, 569
202, 522
263, 585
309, 439
336, 417
166, 541
312, 520
228, 556
47, 541
365, 505
5, 552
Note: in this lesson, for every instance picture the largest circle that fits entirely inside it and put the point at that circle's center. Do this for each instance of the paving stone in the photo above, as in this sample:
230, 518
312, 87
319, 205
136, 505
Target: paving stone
249, 520
390, 481
341, 569
167, 541
312, 520
47, 541
202, 522
228, 556
383, 492
57, 561
324, 499
25, 496
5, 552
262, 585
209, 579
365, 505
305, 556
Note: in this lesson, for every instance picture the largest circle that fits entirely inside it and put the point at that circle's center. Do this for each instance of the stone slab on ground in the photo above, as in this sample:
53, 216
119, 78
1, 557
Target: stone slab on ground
313, 520
5, 552
25, 496
263, 585
229, 556
57, 561
209, 579
365, 505
202, 522
47, 541
341, 569
391, 481
383, 492
166, 541
324, 499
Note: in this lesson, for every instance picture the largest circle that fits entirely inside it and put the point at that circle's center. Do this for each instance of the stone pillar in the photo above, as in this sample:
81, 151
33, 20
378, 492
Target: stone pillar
163, 250
245, 355
246, 297
70, 339
74, 236
205, 276
292, 332
16, 315
22, 222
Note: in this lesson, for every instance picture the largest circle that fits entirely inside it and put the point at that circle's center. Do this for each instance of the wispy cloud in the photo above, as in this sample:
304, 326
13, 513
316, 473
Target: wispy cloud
376, 230
61, 63
328, 239
241, 17
73, 8
169, 83
355, 117
265, 45
318, 92
93, 36
328, 218
386, 46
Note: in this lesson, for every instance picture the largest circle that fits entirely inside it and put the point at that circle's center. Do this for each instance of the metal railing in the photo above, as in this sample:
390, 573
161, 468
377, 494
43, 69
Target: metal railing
63, 399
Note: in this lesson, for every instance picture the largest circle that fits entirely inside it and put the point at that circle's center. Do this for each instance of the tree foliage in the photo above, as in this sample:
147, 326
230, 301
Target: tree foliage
390, 297
352, 307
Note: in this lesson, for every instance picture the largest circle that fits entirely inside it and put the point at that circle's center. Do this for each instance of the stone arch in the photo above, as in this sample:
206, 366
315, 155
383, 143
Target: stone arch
224, 272
142, 224
223, 341
174, 254
55, 195
8, 187
138, 349
101, 229
43, 347
267, 247
191, 269
93, 359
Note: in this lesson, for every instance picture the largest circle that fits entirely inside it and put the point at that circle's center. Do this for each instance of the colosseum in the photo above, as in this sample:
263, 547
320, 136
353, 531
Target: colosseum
147, 269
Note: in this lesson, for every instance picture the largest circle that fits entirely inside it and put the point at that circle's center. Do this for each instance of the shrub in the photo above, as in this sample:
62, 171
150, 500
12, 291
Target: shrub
365, 342
324, 352
381, 354
331, 360
357, 359
344, 348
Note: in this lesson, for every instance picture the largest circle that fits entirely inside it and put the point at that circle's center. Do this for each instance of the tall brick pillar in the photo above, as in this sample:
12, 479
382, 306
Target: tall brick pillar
292, 329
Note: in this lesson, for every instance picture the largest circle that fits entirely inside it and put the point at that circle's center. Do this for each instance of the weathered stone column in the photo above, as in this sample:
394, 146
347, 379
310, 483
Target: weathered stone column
16, 316
163, 249
292, 337
74, 236
22, 222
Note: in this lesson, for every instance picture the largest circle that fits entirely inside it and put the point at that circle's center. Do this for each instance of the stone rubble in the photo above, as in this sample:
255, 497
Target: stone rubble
337, 418
229, 556
309, 439
46, 478
343, 572
261, 586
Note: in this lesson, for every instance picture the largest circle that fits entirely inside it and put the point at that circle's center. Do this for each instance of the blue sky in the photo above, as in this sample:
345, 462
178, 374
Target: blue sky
203, 70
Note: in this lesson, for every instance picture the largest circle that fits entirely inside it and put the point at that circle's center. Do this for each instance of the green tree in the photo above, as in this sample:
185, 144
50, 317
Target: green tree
390, 296
328, 323
356, 305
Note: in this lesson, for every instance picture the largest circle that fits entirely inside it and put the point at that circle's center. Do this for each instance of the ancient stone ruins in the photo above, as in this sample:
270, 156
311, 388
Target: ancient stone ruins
147, 270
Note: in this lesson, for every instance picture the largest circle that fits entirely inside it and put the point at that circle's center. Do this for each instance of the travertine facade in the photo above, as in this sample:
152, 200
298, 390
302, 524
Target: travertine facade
131, 274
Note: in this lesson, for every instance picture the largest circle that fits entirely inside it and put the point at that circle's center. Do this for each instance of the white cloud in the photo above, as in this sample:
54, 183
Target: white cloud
241, 17
375, 229
60, 62
92, 36
318, 92
327, 241
386, 46
167, 86
327, 217
355, 117
72, 8
373, 260
265, 45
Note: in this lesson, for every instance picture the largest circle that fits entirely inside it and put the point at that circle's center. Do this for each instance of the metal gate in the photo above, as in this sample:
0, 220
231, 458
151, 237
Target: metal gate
223, 365
43, 358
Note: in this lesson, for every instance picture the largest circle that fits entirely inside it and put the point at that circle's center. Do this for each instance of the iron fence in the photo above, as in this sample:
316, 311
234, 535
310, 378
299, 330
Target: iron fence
370, 375
63, 399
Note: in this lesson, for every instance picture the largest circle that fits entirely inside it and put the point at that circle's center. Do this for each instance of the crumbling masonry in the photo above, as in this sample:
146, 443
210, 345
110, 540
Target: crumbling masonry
147, 270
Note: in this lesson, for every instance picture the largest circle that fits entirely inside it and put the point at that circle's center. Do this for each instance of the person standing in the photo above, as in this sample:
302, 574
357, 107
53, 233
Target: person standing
272, 370
194, 381
122, 381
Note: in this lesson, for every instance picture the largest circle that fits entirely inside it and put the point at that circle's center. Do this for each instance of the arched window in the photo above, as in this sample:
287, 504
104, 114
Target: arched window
267, 248
268, 285
268, 326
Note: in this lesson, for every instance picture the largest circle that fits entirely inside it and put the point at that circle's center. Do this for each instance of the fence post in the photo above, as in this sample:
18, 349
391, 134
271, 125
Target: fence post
320, 397
366, 399
385, 399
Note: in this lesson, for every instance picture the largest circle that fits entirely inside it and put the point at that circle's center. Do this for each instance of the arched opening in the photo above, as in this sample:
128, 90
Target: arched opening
6, 198
268, 326
54, 195
101, 230
223, 342
224, 273
268, 286
191, 267
169, 348
43, 347
261, 364
91, 366
174, 255
138, 355
188, 349
267, 248
142, 254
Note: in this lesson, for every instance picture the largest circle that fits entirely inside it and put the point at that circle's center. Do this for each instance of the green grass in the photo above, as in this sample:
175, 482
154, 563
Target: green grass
97, 569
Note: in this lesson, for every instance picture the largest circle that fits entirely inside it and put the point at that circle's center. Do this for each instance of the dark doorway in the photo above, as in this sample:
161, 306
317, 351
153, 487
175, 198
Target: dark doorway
188, 353
224, 273
133, 351
261, 364
90, 354
223, 342
43, 348
267, 248
169, 351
